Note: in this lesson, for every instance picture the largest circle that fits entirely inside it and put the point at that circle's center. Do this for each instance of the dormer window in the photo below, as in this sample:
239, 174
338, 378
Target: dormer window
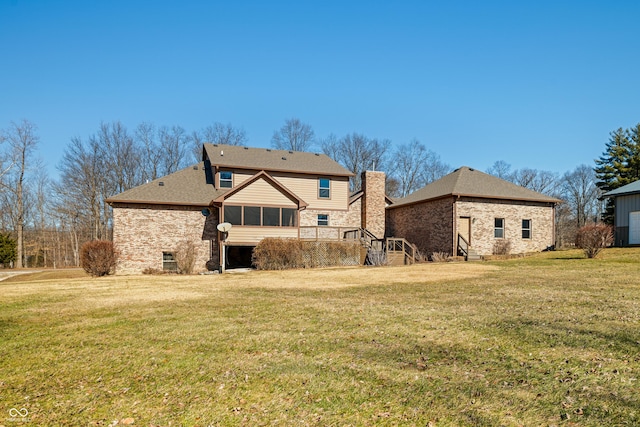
226, 179
324, 188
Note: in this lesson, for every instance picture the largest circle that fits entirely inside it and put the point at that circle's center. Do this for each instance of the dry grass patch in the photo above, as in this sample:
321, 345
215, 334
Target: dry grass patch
546, 340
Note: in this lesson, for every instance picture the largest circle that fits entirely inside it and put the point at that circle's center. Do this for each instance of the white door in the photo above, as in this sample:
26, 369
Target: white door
634, 228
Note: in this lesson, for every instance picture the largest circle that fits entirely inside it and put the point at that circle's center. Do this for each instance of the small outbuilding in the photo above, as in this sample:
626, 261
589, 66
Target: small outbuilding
626, 217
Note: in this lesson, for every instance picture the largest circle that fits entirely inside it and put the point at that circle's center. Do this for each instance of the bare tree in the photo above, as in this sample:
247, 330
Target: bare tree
218, 133
357, 153
145, 137
541, 181
120, 156
413, 166
407, 169
80, 191
581, 193
293, 135
501, 169
173, 145
22, 139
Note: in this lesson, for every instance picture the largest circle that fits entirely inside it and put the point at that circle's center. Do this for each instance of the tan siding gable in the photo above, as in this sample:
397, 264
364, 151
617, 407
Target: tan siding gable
261, 193
306, 187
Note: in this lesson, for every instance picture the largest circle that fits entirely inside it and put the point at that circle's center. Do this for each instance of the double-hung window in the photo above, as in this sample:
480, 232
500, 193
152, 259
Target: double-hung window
498, 228
323, 220
324, 188
526, 228
226, 179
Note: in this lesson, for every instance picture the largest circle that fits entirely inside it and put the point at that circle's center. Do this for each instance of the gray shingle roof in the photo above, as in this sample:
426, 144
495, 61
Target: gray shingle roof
466, 181
189, 186
232, 156
632, 188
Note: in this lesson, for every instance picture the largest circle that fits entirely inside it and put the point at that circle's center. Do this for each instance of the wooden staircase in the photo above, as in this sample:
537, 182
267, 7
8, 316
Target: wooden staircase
465, 250
393, 251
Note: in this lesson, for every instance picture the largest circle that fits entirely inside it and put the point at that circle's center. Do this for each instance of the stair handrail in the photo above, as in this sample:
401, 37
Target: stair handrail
463, 245
404, 246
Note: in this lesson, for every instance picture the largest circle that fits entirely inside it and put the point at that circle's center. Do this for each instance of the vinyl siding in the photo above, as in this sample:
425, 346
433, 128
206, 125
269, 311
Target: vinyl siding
306, 187
260, 193
253, 235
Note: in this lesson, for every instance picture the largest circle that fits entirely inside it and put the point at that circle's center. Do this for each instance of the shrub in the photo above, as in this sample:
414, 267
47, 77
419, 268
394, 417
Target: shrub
281, 254
502, 247
377, 258
439, 257
278, 254
593, 238
98, 257
185, 256
7, 249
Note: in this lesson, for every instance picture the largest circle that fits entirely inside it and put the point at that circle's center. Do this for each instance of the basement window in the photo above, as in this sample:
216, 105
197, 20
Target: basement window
498, 228
169, 262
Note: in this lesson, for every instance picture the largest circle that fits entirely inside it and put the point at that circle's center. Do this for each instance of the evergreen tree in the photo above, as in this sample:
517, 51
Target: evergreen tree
619, 164
7, 249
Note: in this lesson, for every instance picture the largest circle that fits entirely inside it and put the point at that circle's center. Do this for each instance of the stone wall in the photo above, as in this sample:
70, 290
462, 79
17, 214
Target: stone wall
142, 232
427, 225
373, 202
484, 211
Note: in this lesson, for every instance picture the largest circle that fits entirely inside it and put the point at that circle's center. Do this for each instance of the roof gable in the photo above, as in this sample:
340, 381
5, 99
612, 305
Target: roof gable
267, 178
470, 182
232, 156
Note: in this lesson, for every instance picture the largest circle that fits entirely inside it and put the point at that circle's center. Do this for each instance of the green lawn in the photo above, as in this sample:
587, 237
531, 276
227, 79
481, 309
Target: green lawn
551, 339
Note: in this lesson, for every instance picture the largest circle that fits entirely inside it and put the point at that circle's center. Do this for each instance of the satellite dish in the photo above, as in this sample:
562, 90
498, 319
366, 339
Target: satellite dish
224, 227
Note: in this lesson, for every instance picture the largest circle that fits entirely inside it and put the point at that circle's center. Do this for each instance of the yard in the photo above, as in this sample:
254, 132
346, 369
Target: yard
552, 339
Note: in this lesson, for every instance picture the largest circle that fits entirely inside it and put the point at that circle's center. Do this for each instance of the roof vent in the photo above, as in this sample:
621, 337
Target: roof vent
269, 149
471, 169
246, 148
161, 183
284, 158
290, 152
215, 145
317, 154
222, 152
195, 168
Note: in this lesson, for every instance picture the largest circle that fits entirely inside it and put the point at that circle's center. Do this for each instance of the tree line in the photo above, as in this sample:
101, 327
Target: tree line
46, 220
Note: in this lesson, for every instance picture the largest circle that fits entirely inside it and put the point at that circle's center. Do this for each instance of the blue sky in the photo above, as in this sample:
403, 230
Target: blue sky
536, 84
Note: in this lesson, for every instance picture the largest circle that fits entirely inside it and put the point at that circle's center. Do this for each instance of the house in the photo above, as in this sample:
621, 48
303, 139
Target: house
468, 212
626, 219
260, 192
289, 194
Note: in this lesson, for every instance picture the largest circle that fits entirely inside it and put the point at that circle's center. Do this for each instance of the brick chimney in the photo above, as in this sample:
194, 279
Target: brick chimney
373, 202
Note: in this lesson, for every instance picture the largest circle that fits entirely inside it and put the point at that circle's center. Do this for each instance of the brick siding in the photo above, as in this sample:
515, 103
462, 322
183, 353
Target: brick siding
142, 232
483, 213
429, 225
373, 202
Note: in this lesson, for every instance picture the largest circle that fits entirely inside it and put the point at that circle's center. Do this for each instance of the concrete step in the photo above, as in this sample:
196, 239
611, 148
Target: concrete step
473, 255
